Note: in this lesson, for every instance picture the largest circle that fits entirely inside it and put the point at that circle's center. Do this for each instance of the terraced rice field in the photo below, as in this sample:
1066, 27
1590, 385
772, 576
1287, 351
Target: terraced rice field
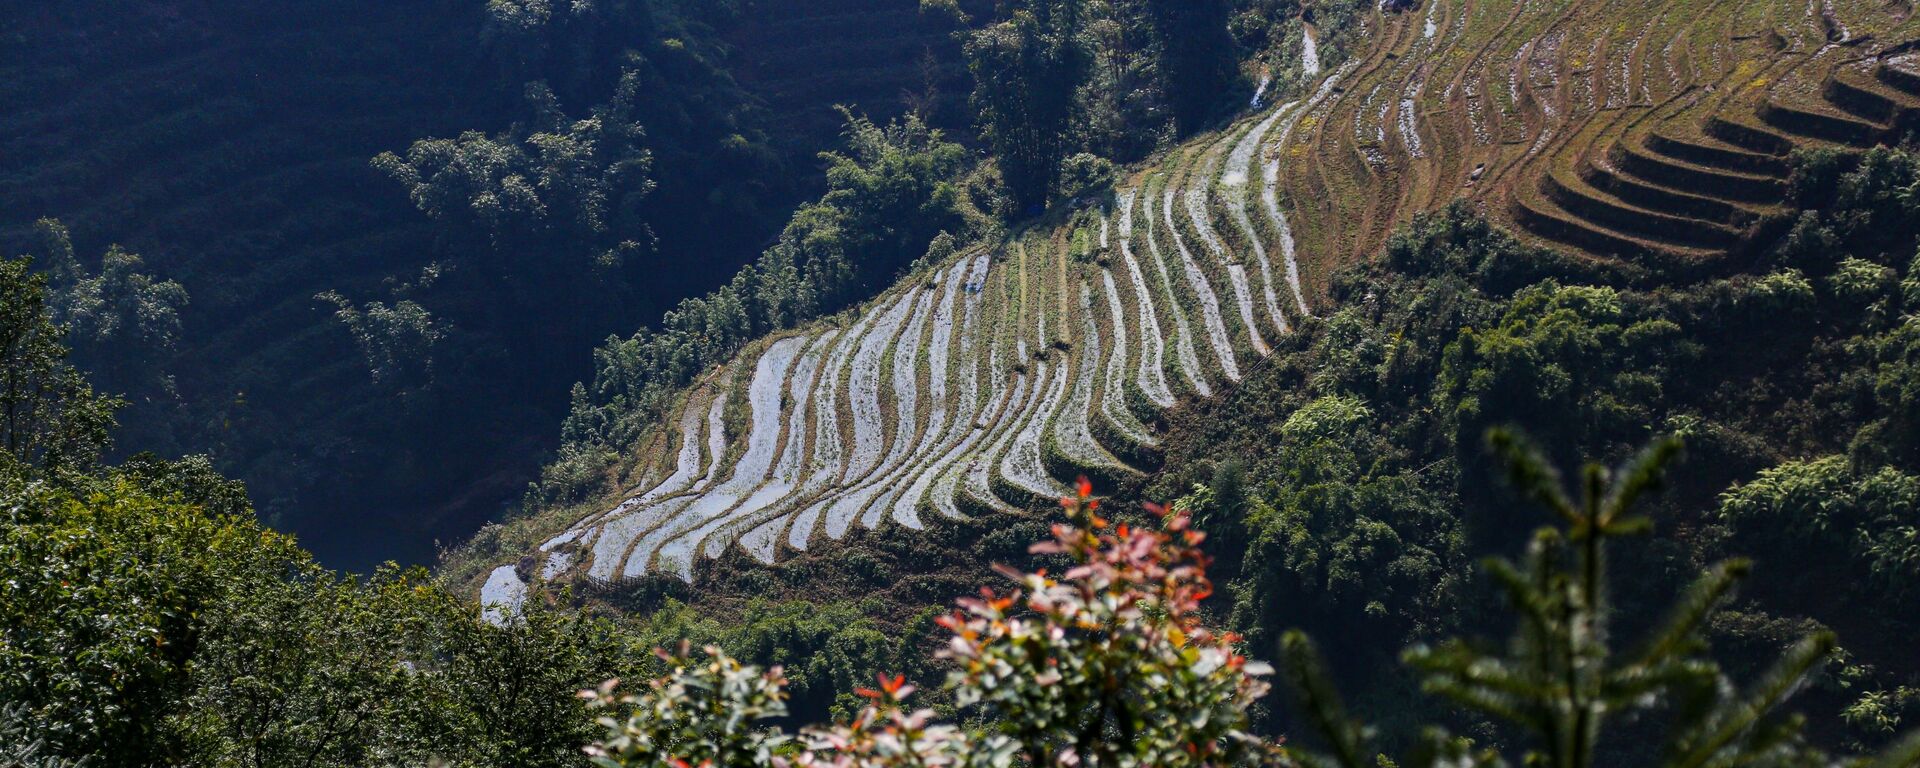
977, 388
1653, 133
1648, 131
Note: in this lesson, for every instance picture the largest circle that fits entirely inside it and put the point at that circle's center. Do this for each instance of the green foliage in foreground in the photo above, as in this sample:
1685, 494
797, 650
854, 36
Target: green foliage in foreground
20, 747
1559, 681
137, 629
1109, 664
146, 618
1106, 664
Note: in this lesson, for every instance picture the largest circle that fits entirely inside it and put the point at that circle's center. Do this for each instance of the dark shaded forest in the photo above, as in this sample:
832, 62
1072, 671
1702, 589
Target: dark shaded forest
229, 146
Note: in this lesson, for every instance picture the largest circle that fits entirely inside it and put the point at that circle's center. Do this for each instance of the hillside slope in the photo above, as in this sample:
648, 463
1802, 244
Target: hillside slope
804, 57
1650, 135
976, 387
229, 144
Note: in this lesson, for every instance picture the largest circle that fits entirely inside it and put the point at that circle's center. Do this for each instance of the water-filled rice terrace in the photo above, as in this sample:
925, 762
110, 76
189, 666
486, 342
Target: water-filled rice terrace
1649, 133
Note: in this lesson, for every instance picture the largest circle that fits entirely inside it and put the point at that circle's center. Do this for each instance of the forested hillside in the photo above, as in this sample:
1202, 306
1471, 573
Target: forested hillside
884, 57
229, 145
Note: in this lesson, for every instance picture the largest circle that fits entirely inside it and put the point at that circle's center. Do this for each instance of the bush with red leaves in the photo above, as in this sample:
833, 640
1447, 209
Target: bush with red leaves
1104, 664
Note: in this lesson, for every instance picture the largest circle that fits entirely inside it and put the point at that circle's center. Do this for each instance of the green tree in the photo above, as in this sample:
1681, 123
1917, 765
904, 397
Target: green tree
102, 595
577, 45
1828, 511
554, 204
1339, 540
1201, 58
889, 194
1866, 204
51, 420
1026, 72
143, 630
1122, 114
1891, 370
508, 694
398, 339
146, 618
193, 478
122, 322
1570, 364
303, 668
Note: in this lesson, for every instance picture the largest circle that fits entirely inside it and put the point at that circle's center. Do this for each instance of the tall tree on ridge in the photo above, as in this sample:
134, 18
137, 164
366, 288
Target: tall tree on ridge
1026, 70
1198, 59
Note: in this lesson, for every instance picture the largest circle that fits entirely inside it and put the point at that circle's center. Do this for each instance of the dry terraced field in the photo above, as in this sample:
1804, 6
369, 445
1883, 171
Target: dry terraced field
1652, 133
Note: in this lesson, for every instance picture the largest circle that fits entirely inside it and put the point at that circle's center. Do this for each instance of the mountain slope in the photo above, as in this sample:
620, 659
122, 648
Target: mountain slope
1650, 135
976, 387
229, 144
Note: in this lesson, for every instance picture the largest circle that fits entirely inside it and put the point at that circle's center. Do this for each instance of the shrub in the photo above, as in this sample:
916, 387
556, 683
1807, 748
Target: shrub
1827, 508
1106, 664
699, 713
1784, 292
1085, 175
